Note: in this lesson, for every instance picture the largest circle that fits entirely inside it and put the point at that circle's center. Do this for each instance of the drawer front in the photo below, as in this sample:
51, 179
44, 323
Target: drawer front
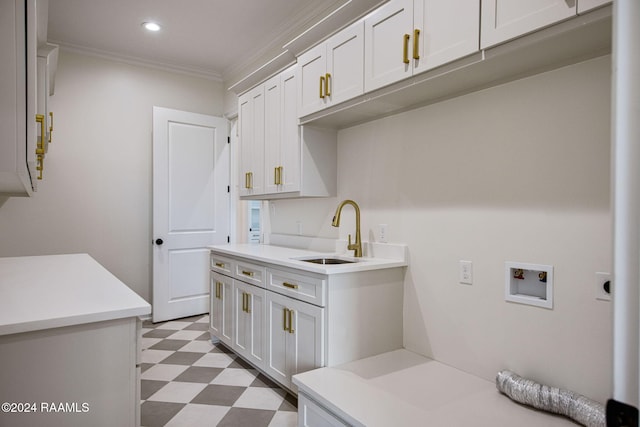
250, 273
310, 414
221, 264
302, 287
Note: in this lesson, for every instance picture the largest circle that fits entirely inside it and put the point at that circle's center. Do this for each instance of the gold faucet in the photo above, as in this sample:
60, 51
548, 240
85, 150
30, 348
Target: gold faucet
357, 246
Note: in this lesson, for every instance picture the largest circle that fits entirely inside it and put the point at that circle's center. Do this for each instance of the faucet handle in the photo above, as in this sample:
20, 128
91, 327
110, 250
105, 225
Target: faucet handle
349, 244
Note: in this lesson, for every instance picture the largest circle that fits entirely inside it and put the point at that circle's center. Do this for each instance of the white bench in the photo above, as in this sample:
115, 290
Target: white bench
401, 388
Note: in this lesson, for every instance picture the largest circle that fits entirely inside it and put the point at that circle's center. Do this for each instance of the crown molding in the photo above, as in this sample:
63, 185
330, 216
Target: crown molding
142, 62
311, 28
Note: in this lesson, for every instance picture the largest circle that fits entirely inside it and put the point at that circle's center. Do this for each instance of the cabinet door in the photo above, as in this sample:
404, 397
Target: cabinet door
42, 108
503, 20
251, 116
215, 311
313, 65
272, 134
307, 339
227, 311
290, 136
387, 37
248, 338
276, 363
295, 337
448, 30
345, 64
587, 5
221, 314
242, 329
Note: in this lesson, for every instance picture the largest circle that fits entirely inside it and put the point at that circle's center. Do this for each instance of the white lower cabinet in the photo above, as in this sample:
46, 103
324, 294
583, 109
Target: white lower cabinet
285, 321
221, 312
295, 337
248, 318
310, 414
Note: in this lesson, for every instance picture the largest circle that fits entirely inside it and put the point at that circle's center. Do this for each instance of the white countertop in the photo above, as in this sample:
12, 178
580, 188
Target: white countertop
42, 292
401, 388
391, 256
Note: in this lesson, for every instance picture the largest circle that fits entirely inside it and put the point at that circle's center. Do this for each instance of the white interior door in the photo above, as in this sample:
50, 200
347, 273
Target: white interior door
190, 208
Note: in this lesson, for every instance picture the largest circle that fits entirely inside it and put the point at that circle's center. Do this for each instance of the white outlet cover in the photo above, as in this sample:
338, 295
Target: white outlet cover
466, 272
383, 233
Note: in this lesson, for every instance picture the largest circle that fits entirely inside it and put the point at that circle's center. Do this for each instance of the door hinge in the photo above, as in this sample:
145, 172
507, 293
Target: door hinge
228, 140
228, 189
228, 239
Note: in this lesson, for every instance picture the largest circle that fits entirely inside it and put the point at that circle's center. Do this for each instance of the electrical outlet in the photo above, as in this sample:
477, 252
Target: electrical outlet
466, 272
602, 284
382, 235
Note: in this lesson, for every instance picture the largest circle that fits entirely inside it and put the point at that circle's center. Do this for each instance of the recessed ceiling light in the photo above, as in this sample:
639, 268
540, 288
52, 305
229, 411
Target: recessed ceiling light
151, 26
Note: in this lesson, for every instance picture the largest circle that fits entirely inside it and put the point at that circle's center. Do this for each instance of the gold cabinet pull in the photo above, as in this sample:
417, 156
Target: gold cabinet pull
218, 290
244, 302
405, 49
247, 273
284, 319
220, 264
40, 144
277, 175
50, 125
289, 285
291, 322
416, 45
322, 85
248, 180
248, 309
327, 85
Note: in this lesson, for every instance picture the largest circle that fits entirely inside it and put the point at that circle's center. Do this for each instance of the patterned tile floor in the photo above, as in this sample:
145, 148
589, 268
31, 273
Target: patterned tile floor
188, 381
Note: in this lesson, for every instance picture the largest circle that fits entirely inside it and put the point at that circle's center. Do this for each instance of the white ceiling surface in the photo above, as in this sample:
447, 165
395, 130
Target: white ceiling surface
213, 38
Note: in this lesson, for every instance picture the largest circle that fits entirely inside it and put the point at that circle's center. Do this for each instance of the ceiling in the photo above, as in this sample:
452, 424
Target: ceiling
218, 39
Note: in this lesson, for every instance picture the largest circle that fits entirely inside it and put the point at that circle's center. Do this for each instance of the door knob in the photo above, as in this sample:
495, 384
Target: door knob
159, 241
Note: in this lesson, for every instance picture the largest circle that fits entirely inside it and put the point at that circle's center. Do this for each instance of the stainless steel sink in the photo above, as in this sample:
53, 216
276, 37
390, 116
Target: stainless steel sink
328, 261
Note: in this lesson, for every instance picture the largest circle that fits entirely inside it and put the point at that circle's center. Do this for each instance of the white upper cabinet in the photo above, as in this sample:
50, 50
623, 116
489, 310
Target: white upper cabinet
504, 20
23, 130
251, 116
406, 37
332, 72
279, 158
272, 134
587, 5
388, 34
282, 139
345, 64
448, 30
47, 65
289, 175
313, 67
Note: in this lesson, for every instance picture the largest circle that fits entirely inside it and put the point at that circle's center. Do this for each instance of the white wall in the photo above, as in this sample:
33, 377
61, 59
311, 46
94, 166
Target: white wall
518, 172
96, 192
